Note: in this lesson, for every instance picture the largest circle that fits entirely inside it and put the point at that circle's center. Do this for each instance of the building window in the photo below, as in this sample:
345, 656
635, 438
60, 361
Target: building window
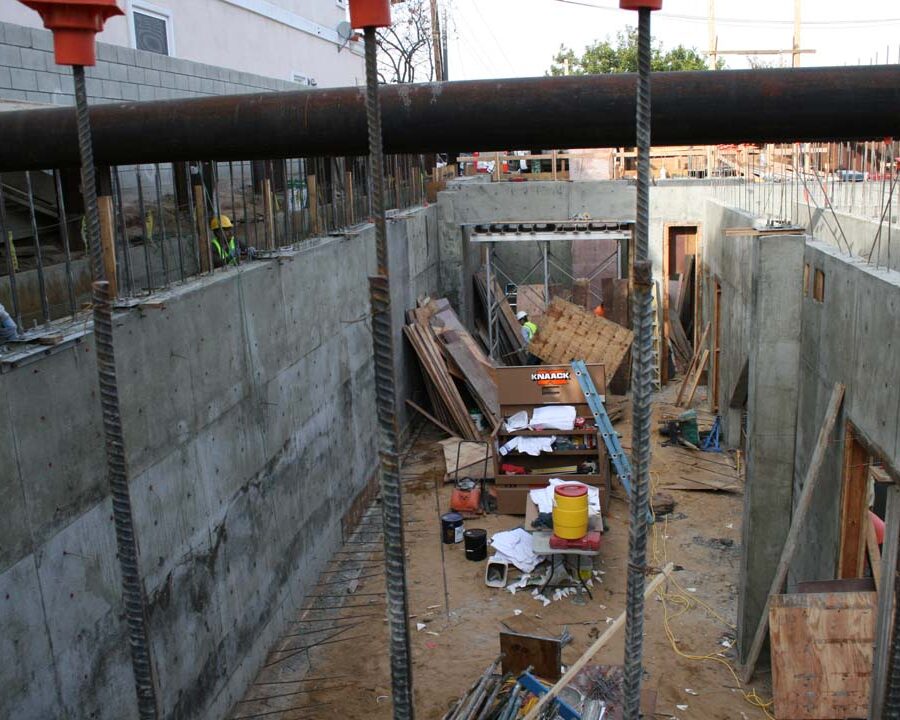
152, 29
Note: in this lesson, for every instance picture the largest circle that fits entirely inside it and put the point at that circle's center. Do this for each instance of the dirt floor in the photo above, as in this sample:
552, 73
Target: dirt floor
334, 660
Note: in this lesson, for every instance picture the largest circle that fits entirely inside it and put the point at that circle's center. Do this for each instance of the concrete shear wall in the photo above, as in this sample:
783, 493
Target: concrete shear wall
476, 202
761, 280
249, 413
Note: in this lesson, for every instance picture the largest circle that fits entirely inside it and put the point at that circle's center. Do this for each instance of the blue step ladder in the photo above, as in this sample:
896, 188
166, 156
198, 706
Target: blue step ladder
620, 460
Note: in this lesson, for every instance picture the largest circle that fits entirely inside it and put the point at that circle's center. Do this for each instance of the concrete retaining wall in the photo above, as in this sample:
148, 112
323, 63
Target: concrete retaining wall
249, 415
29, 73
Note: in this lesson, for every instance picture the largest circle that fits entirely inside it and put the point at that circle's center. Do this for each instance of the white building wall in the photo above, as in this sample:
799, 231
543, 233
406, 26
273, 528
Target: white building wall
272, 39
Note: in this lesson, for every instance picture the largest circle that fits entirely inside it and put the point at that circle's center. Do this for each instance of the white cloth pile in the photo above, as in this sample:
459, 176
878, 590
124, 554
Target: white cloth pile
529, 445
543, 497
544, 417
514, 547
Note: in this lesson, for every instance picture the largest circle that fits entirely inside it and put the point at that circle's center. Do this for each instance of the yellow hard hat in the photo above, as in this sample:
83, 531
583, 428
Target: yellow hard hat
222, 221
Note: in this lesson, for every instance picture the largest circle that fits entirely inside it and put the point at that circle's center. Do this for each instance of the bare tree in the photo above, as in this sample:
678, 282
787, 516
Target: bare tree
406, 53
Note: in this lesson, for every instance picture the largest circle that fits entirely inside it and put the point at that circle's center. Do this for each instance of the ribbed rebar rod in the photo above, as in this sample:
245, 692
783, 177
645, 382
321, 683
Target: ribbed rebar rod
382, 336
117, 472
642, 387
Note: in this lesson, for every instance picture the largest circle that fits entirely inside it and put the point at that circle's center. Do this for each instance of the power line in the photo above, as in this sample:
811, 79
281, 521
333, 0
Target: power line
843, 24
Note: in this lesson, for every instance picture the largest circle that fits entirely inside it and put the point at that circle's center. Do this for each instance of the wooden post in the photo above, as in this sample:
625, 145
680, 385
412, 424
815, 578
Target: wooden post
810, 483
854, 509
884, 624
349, 210
202, 229
313, 199
553, 161
269, 212
108, 242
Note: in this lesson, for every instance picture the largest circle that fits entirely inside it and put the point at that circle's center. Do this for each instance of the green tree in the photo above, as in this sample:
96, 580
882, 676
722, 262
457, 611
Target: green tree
606, 56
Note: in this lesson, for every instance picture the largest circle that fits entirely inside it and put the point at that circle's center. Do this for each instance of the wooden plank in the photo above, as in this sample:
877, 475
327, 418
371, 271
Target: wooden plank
428, 416
108, 242
543, 655
349, 210
695, 381
822, 654
810, 482
694, 360
313, 200
884, 627
854, 508
610, 632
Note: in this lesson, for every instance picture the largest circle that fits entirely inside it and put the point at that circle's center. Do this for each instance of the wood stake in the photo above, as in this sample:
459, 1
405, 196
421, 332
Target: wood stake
202, 229
108, 241
313, 199
269, 211
349, 211
428, 416
595, 648
810, 482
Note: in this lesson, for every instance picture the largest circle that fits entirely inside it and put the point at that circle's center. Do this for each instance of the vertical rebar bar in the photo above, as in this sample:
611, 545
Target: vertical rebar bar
38, 256
64, 236
126, 543
382, 335
642, 389
126, 246
176, 211
142, 210
9, 251
161, 223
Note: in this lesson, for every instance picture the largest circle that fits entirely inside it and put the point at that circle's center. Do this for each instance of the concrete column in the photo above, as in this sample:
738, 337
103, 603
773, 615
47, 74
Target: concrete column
774, 369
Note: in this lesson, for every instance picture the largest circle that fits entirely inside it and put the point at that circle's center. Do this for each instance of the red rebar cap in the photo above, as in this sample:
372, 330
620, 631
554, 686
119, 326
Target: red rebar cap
370, 13
74, 24
640, 4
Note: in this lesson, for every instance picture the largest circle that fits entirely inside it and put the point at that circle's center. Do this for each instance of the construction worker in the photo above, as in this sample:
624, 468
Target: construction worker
224, 247
529, 330
8, 329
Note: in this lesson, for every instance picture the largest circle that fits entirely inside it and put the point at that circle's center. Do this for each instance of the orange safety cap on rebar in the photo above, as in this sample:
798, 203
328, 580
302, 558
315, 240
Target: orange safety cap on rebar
370, 13
74, 24
640, 4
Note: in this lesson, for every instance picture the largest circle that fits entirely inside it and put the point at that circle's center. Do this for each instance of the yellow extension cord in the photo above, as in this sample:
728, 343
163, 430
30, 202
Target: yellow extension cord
687, 602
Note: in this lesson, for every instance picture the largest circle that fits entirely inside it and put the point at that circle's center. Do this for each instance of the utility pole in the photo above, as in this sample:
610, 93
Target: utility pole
436, 42
795, 56
445, 74
711, 28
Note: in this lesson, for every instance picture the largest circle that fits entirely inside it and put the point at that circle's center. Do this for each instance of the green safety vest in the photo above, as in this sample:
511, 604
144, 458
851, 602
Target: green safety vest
532, 329
229, 256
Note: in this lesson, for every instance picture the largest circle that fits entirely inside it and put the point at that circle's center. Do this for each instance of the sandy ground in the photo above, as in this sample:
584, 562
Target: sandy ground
334, 662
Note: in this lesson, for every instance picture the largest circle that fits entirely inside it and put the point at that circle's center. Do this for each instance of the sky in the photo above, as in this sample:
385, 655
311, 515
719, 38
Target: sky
518, 38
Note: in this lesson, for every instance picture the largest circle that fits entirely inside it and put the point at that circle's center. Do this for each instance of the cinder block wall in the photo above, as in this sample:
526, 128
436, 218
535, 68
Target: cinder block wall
249, 414
28, 73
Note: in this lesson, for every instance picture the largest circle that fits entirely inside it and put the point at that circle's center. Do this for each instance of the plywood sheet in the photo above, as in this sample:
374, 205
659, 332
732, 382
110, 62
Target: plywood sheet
521, 652
569, 332
822, 654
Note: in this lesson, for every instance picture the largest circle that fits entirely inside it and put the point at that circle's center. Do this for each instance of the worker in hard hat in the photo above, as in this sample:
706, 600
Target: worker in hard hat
224, 247
8, 329
529, 330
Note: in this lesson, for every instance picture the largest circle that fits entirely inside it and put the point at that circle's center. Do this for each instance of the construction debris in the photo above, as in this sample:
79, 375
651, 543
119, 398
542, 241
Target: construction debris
458, 375
570, 332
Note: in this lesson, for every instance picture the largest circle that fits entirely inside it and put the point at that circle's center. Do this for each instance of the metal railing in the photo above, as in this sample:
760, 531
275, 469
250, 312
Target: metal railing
156, 222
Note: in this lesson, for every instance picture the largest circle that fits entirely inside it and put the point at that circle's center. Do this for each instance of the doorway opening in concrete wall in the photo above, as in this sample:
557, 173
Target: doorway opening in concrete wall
680, 289
864, 481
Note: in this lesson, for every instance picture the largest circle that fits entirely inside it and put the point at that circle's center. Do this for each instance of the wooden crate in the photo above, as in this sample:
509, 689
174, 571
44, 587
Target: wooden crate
822, 654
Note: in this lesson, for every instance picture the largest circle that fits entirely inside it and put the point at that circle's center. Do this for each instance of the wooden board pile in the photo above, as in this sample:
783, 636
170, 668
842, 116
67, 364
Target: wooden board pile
510, 343
457, 373
569, 332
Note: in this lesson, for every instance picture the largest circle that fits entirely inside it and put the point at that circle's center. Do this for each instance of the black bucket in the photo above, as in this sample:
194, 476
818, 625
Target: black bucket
476, 544
451, 528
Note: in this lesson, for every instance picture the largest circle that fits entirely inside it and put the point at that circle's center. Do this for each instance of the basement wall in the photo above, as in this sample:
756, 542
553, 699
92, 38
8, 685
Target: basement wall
249, 415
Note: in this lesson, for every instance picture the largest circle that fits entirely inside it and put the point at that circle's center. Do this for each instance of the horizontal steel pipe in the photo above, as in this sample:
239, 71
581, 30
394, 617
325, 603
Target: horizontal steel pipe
732, 106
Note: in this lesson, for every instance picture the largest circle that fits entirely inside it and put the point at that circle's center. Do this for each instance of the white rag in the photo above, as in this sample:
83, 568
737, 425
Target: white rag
543, 497
514, 547
519, 421
555, 417
529, 445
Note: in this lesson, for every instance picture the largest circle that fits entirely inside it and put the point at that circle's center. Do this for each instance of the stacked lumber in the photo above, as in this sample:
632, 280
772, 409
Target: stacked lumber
457, 373
511, 345
569, 332
694, 372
